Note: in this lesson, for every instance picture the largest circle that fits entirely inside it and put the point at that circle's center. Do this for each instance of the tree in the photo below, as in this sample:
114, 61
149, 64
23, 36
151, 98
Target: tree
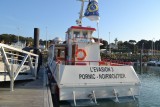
128, 46
120, 45
11, 38
104, 46
132, 41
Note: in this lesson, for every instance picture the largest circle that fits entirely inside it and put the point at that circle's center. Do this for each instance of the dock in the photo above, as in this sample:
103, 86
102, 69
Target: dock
27, 93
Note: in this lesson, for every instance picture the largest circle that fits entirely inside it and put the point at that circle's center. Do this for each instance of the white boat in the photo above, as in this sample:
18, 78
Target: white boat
80, 73
152, 63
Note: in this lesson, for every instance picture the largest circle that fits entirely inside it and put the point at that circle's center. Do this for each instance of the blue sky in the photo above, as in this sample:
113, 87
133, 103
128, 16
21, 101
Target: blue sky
124, 19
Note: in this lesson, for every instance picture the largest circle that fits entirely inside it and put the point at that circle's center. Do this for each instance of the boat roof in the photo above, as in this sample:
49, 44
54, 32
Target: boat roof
81, 28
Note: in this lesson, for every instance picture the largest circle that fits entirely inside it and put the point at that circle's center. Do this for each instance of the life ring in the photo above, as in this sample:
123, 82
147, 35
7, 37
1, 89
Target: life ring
83, 54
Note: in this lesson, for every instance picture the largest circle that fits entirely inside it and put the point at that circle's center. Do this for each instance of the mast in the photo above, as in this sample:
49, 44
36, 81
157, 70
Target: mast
79, 21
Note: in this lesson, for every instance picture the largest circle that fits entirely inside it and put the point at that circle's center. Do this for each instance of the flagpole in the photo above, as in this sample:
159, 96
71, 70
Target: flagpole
98, 31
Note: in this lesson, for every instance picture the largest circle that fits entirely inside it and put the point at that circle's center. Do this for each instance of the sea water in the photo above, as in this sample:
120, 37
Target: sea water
149, 92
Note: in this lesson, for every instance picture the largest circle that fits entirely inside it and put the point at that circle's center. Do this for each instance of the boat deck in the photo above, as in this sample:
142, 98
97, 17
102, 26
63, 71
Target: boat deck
28, 93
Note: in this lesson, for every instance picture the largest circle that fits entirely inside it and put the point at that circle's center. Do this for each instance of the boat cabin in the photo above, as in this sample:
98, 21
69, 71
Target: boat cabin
79, 47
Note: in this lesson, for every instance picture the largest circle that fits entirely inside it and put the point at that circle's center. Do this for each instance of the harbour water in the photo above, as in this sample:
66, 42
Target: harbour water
149, 92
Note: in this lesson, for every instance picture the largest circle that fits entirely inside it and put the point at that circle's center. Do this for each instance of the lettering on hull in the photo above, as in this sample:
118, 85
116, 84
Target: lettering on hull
101, 69
111, 76
102, 73
86, 76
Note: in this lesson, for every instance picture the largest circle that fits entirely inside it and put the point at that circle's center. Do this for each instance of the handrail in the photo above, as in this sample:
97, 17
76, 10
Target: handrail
16, 49
15, 60
103, 62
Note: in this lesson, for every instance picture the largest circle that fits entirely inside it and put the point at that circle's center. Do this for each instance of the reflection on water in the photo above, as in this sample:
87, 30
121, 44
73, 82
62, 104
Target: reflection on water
150, 80
149, 93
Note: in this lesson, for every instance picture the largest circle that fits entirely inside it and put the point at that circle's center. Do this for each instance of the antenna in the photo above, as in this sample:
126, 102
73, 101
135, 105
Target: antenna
79, 21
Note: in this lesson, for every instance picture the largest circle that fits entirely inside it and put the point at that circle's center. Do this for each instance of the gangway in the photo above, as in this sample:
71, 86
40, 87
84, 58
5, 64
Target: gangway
16, 64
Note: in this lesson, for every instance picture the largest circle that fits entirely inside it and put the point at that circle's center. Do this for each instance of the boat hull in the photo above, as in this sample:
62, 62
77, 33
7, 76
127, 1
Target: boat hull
68, 93
79, 82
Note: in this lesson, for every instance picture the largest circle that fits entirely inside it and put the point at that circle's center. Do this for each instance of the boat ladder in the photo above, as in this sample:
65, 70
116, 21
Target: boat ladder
131, 91
91, 96
116, 95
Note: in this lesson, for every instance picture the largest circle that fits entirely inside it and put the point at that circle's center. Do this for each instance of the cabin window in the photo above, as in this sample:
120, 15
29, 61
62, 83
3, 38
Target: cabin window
60, 54
76, 34
85, 35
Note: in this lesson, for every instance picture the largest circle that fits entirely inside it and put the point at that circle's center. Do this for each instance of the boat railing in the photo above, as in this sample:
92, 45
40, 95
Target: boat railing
120, 62
14, 61
98, 63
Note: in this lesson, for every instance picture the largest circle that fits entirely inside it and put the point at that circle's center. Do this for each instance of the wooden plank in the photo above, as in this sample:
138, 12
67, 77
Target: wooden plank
32, 93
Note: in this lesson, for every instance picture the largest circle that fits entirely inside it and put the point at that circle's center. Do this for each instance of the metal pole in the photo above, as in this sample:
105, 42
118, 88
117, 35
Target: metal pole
79, 21
142, 47
134, 48
12, 78
36, 40
152, 47
141, 61
157, 49
18, 36
98, 31
109, 44
46, 39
